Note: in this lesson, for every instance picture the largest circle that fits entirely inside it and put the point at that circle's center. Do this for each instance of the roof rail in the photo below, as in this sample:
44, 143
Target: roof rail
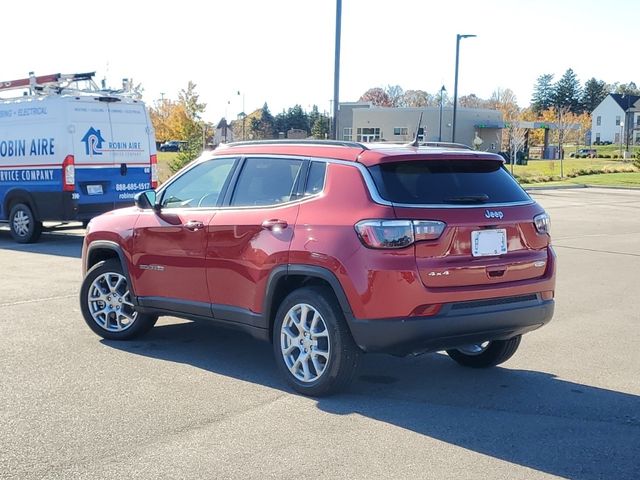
333, 143
445, 145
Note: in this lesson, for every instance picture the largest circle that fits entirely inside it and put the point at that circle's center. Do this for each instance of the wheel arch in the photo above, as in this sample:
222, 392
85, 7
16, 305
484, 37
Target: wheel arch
101, 250
19, 195
287, 278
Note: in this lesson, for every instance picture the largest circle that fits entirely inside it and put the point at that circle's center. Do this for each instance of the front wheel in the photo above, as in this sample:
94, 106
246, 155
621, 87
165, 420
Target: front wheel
23, 224
312, 343
487, 354
106, 303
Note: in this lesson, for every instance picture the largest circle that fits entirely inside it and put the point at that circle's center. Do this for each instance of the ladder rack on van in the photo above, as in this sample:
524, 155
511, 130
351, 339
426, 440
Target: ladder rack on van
53, 83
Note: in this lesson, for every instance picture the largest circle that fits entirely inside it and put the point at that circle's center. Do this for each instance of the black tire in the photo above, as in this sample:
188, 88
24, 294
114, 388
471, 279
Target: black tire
140, 324
343, 354
495, 353
24, 226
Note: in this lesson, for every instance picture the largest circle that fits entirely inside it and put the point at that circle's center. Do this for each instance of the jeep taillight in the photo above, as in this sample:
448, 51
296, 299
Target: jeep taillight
397, 233
543, 223
68, 174
154, 171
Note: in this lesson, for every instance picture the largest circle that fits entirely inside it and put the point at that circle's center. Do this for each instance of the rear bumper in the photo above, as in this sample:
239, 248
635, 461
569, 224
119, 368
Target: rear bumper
456, 324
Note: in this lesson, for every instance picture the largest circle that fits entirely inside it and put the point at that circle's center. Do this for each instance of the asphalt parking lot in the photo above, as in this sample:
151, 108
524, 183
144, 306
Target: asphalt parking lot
193, 401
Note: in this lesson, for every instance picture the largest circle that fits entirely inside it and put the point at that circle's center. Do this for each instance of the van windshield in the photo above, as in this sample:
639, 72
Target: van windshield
435, 182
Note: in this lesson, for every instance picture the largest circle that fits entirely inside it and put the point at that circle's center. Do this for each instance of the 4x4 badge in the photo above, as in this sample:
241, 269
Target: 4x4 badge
494, 214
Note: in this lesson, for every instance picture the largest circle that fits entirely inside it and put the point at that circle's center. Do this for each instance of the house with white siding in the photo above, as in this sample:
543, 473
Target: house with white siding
616, 119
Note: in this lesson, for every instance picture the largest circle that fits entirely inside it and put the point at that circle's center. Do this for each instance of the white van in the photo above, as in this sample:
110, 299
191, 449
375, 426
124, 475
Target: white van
71, 155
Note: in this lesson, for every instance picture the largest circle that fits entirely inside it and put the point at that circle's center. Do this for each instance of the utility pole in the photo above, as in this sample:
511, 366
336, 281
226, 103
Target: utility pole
455, 85
336, 70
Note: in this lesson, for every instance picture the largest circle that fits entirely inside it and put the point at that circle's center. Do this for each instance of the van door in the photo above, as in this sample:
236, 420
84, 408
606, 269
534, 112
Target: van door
131, 146
90, 130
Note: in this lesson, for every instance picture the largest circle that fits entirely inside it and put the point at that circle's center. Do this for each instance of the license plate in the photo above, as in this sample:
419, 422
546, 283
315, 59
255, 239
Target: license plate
488, 242
94, 189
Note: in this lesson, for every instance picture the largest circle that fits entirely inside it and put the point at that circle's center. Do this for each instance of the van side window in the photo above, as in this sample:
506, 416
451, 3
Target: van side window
200, 186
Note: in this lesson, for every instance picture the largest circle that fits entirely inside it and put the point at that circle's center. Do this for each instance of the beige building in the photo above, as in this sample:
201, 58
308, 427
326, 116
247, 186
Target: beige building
362, 122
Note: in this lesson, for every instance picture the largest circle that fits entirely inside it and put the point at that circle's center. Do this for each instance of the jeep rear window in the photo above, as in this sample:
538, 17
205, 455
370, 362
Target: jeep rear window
439, 182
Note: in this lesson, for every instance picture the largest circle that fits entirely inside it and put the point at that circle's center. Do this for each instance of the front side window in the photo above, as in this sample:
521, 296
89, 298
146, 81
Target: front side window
347, 133
266, 181
617, 120
598, 120
200, 186
400, 131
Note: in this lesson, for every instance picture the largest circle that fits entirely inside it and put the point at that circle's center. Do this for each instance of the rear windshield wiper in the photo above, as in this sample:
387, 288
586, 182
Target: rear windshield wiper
468, 199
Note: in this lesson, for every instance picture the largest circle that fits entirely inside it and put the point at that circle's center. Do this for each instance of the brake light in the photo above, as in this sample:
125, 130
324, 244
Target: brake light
543, 223
68, 174
154, 171
397, 233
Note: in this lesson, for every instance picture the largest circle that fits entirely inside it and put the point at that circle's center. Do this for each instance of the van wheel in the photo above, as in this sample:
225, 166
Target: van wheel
487, 354
106, 303
23, 224
312, 343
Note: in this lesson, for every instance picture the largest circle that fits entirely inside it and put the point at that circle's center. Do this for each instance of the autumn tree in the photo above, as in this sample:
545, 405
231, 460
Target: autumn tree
395, 93
193, 128
377, 96
471, 101
416, 99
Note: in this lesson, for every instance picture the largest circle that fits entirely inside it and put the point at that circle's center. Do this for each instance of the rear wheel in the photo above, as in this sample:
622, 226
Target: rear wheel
312, 343
106, 304
23, 224
487, 354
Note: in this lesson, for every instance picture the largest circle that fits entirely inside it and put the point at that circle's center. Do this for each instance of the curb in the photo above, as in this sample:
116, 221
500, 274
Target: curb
556, 187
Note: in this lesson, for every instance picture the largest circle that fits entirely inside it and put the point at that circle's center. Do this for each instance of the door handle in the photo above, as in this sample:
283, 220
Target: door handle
194, 225
274, 225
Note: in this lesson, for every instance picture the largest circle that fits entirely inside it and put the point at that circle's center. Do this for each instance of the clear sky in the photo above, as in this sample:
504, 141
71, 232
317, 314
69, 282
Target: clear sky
281, 51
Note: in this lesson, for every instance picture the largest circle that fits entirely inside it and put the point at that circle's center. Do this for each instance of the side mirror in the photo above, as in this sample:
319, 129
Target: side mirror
146, 200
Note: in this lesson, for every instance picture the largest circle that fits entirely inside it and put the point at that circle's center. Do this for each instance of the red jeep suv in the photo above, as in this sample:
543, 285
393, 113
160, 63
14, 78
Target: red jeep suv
328, 250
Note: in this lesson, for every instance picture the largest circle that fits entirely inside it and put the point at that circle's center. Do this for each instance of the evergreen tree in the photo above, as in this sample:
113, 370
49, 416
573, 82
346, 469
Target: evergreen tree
567, 92
281, 123
296, 118
543, 93
320, 128
595, 91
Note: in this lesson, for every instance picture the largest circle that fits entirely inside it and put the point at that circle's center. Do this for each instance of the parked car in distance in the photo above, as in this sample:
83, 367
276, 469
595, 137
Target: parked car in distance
584, 152
172, 146
328, 250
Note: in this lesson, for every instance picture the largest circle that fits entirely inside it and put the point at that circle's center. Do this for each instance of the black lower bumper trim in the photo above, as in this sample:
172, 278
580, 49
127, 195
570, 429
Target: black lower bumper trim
451, 328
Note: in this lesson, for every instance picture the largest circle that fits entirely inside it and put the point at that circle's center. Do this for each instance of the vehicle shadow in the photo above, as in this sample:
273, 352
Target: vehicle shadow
56, 243
532, 419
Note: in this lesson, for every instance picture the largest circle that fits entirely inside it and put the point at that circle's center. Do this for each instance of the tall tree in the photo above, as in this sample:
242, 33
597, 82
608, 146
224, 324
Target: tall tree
194, 129
472, 101
543, 93
395, 94
505, 100
297, 118
377, 96
594, 92
416, 98
627, 89
568, 92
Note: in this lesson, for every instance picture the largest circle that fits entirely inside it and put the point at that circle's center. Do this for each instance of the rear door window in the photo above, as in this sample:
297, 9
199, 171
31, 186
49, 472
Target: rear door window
440, 182
267, 181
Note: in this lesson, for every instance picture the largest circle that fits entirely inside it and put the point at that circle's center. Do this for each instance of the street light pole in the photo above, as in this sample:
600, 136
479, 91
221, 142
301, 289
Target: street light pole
336, 70
442, 90
455, 85
244, 115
